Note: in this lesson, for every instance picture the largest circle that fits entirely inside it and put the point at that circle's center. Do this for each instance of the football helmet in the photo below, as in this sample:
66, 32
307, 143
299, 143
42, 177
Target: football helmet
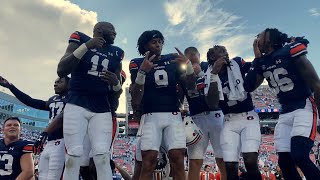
193, 132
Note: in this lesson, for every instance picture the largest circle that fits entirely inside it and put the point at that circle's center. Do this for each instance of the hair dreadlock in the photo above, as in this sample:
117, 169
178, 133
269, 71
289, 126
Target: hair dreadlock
279, 39
145, 37
210, 53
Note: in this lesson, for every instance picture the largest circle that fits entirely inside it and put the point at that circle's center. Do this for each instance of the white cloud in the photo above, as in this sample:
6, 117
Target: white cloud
122, 100
314, 12
240, 45
206, 24
124, 41
34, 38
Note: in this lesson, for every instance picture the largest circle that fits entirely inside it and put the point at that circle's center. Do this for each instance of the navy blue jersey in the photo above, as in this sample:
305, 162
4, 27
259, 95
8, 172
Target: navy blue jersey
232, 106
196, 98
56, 105
10, 156
160, 88
279, 69
86, 87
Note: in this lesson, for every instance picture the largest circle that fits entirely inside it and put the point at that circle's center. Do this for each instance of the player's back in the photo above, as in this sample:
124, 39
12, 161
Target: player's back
160, 89
10, 155
280, 71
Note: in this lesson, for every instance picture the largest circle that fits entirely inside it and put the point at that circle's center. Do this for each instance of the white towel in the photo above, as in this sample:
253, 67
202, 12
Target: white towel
235, 79
207, 75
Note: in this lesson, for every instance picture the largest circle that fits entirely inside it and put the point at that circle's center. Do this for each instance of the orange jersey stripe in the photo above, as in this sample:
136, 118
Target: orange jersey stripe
297, 49
133, 65
28, 148
75, 36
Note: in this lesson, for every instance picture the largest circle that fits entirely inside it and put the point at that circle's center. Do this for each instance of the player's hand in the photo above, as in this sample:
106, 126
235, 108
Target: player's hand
218, 64
109, 77
196, 68
38, 145
96, 42
180, 58
147, 63
256, 49
4, 82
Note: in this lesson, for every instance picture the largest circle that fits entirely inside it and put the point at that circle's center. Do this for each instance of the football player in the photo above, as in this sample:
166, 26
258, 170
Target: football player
284, 65
88, 109
52, 159
87, 169
241, 129
16, 155
154, 81
206, 114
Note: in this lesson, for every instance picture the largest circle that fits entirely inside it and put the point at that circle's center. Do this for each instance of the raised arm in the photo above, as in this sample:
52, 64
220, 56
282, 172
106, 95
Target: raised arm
68, 60
24, 98
138, 80
212, 98
253, 78
74, 54
189, 77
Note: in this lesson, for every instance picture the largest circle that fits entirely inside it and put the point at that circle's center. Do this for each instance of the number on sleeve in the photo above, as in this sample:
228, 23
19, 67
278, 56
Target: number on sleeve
8, 166
95, 63
283, 84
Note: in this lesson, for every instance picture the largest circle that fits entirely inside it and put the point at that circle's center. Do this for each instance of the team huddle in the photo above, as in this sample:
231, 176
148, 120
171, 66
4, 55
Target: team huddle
83, 115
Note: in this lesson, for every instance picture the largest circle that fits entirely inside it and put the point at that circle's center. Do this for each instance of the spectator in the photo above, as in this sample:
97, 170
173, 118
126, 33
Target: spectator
207, 174
267, 174
278, 173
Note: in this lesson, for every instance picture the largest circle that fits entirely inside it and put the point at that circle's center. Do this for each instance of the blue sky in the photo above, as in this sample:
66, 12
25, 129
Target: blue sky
203, 23
42, 28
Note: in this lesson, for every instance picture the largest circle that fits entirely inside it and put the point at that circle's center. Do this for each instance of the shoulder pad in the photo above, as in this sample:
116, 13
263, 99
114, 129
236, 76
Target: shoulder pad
297, 48
135, 63
78, 37
239, 60
27, 146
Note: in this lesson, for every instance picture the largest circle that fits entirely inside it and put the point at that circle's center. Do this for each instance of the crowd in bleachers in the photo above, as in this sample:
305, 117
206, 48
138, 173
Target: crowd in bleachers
265, 97
124, 150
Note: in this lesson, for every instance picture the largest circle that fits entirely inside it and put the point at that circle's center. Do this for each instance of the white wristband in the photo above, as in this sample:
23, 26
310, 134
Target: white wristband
141, 78
189, 69
214, 78
117, 87
80, 51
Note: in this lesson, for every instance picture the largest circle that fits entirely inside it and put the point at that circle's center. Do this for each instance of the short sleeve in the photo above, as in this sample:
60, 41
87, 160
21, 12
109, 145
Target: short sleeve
133, 68
297, 49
